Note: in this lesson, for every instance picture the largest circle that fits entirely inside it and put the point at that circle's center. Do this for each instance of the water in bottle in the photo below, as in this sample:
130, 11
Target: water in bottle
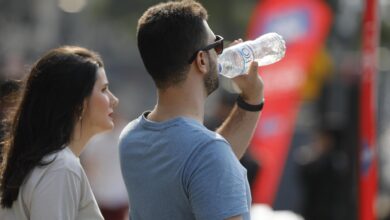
266, 49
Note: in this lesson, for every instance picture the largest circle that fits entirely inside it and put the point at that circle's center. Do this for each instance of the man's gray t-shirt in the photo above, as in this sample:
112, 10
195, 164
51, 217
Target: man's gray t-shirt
178, 169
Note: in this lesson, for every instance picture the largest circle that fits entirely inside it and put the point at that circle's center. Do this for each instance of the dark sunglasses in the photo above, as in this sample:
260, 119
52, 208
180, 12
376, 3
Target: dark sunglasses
217, 46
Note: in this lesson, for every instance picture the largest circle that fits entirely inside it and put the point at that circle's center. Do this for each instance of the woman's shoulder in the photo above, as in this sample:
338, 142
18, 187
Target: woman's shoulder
54, 167
62, 161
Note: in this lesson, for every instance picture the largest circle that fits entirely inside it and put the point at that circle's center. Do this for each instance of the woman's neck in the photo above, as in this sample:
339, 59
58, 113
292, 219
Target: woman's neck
79, 139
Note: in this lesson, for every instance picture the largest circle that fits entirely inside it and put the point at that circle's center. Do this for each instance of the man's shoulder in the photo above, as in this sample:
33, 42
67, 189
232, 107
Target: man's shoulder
129, 127
177, 127
180, 134
195, 135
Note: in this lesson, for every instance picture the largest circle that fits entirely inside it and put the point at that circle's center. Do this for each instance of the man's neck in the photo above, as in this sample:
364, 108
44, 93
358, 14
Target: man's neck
179, 101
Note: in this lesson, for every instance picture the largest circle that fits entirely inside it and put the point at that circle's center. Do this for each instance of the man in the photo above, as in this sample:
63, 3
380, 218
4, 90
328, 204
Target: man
173, 167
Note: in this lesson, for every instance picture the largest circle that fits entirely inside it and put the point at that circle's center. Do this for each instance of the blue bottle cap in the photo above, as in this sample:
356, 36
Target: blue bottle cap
219, 67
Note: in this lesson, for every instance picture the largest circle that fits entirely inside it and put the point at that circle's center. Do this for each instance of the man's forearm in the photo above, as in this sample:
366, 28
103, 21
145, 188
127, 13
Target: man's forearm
238, 129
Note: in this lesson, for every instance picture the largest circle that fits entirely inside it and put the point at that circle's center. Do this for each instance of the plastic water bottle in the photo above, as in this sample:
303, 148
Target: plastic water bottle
266, 49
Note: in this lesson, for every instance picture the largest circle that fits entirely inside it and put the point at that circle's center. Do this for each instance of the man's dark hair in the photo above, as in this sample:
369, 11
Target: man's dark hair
168, 34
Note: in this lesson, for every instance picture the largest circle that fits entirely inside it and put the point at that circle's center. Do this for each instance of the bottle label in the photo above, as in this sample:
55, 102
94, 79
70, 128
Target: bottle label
248, 56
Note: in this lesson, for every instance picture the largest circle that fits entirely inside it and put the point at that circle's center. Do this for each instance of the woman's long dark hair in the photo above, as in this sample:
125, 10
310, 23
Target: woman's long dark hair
51, 103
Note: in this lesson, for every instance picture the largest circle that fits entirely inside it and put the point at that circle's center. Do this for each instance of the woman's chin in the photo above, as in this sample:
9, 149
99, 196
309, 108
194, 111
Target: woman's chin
106, 128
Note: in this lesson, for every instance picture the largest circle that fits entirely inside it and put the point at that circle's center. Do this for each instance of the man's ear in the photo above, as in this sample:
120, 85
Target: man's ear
202, 61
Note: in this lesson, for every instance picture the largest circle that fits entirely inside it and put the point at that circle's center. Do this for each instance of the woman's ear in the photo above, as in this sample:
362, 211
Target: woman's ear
83, 109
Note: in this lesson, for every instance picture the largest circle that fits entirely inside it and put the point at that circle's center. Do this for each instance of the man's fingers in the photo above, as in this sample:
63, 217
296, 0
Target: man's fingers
253, 68
235, 42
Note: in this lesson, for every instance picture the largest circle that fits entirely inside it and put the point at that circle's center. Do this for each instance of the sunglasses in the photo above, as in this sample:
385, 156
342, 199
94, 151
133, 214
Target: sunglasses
217, 46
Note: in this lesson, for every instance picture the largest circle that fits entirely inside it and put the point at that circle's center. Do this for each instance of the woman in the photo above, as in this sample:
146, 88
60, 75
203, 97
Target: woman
65, 102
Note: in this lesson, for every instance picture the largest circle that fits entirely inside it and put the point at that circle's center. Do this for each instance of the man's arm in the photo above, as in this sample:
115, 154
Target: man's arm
216, 182
240, 125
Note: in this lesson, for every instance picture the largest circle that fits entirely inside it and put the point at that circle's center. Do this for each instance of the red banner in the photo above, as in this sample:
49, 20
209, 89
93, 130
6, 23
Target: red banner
304, 24
368, 151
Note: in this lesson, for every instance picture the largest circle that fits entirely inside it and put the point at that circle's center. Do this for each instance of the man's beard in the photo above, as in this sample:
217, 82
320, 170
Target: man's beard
210, 80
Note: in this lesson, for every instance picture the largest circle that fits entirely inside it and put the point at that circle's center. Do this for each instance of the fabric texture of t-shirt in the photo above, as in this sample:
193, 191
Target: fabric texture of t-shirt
58, 191
178, 169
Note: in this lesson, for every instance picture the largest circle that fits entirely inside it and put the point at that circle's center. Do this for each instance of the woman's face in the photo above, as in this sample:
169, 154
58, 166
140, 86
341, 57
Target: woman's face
99, 107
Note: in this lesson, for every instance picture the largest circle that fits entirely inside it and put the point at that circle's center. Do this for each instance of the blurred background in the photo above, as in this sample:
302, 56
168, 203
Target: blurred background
320, 173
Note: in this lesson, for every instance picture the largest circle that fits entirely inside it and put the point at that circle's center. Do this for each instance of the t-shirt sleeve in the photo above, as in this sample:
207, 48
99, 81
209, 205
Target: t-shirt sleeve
216, 182
56, 196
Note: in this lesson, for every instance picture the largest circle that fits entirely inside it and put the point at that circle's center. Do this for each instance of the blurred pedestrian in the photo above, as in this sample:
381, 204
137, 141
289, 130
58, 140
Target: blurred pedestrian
65, 101
101, 163
173, 166
8, 97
